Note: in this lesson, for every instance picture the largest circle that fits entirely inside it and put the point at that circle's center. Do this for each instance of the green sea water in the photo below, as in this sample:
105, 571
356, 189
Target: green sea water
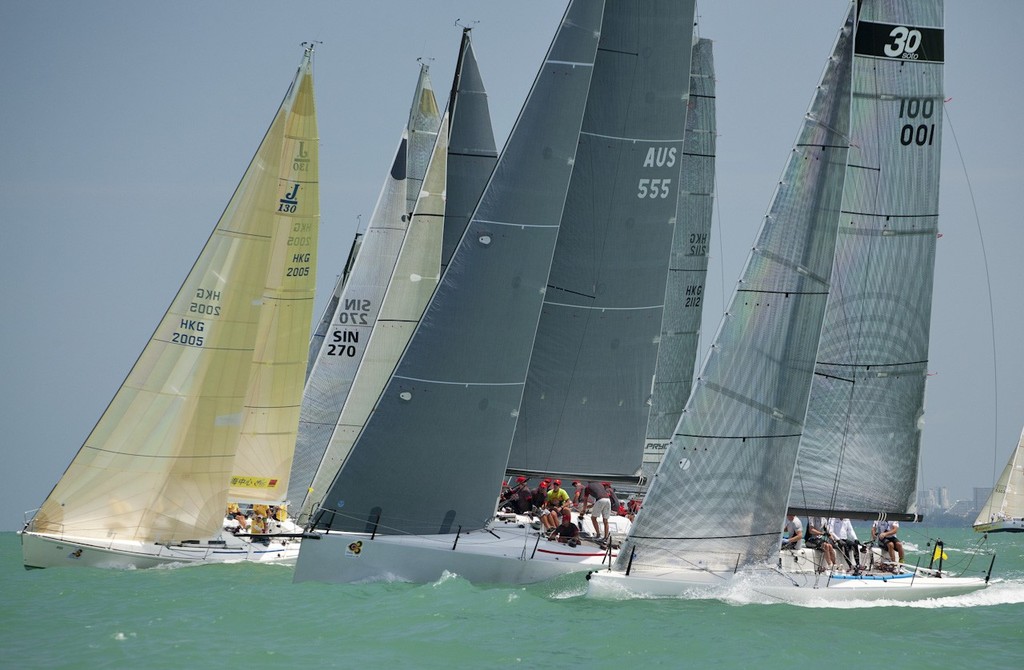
249, 616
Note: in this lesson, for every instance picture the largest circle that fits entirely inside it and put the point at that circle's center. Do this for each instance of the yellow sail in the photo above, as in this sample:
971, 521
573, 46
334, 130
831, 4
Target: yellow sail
219, 371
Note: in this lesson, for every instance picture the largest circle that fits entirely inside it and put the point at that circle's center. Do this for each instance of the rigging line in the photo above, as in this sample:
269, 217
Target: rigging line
988, 284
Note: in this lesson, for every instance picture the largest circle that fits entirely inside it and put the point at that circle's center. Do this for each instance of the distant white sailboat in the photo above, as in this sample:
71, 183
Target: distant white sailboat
1003, 512
714, 510
208, 414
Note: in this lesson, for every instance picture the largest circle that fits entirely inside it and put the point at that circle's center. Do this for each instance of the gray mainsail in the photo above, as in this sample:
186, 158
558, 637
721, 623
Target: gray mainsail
718, 499
429, 456
861, 443
587, 398
471, 149
684, 293
355, 312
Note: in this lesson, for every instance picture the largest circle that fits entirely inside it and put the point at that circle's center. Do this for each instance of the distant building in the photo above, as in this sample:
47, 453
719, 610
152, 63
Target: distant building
944, 498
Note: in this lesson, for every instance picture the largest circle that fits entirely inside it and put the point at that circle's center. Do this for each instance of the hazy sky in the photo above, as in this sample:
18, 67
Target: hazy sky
125, 126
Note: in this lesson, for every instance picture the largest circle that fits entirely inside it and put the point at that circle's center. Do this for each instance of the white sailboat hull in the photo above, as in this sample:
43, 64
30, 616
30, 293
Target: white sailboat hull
792, 588
1003, 526
506, 556
51, 551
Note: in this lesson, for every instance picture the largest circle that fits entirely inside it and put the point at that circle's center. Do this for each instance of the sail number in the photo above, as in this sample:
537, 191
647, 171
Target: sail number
344, 343
920, 134
299, 270
656, 189
653, 188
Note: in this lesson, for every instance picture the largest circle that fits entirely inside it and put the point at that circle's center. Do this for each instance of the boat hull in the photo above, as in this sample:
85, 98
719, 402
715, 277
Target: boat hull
792, 588
49, 551
1004, 526
496, 556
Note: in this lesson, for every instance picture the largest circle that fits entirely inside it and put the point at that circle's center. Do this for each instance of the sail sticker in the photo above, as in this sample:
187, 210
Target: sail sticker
290, 202
885, 40
253, 482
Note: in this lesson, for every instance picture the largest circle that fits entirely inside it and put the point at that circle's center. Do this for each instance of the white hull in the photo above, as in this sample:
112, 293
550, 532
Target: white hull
500, 555
1004, 526
50, 551
792, 588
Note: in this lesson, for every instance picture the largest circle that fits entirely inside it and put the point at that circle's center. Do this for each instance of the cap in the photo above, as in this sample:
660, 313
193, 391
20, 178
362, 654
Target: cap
606, 483
543, 485
558, 482
575, 482
520, 479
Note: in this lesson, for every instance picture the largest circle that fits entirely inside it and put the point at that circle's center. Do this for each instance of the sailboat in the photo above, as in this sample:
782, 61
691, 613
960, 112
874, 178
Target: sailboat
449, 411
1003, 512
208, 414
358, 303
715, 507
462, 159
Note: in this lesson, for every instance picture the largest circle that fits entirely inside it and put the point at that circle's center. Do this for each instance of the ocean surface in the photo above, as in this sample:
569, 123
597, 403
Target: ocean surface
249, 616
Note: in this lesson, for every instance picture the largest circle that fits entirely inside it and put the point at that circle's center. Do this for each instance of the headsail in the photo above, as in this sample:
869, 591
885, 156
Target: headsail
719, 496
588, 394
684, 293
157, 465
427, 458
862, 439
341, 352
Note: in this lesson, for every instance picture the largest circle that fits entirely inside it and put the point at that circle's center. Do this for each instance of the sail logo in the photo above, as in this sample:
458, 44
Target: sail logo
354, 549
886, 40
905, 43
301, 162
290, 202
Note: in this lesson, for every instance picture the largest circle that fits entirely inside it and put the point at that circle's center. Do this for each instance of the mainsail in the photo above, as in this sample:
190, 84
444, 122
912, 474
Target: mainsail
358, 306
587, 399
418, 266
684, 292
213, 398
718, 498
428, 458
862, 438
